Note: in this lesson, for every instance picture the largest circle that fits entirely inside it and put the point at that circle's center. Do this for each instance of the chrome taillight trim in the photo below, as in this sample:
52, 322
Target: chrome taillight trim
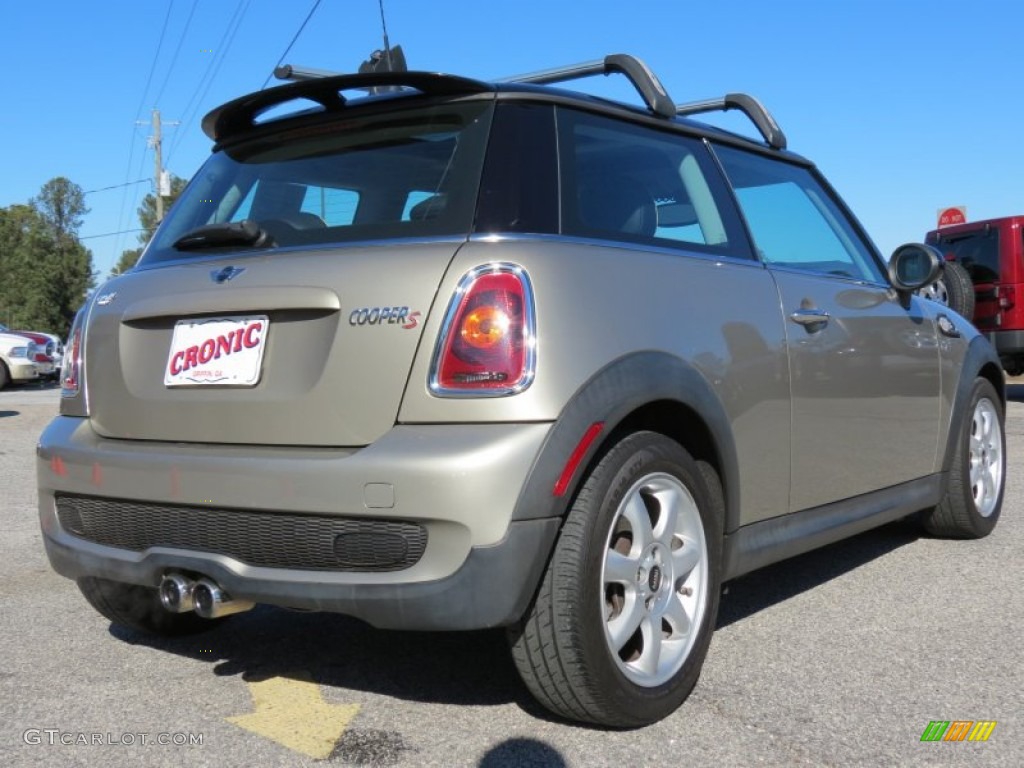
529, 334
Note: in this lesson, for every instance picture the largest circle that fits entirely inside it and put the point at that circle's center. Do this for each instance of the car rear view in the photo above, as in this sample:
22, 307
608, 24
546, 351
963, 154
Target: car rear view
230, 406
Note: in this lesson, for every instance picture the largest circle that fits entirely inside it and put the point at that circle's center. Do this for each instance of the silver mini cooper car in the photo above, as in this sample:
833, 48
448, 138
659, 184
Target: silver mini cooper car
448, 354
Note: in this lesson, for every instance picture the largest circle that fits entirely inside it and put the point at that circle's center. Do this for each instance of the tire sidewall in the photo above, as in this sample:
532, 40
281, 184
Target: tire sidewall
635, 457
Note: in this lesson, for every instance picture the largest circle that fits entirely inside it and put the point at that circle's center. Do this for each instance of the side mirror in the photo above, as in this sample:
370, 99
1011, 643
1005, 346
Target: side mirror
912, 267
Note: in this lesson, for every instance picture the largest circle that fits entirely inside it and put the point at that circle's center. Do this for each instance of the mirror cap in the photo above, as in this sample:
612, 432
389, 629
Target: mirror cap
913, 266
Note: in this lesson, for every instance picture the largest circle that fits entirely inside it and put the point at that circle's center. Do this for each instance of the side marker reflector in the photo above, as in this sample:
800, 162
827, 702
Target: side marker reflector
577, 456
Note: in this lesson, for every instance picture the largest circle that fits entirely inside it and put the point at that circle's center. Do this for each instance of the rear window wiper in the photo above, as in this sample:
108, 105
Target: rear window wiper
244, 232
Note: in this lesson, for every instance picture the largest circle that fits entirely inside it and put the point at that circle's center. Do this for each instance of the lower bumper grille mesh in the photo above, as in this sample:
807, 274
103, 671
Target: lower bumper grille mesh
268, 539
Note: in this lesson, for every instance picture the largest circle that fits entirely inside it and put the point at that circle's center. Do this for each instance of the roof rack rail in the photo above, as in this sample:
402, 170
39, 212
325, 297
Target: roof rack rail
295, 72
645, 81
750, 106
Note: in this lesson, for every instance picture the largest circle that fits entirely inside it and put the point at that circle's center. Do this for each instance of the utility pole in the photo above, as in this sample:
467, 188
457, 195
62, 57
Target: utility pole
158, 169
162, 187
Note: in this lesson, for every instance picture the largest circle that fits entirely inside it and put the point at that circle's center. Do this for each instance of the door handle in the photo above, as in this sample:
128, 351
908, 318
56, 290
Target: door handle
812, 320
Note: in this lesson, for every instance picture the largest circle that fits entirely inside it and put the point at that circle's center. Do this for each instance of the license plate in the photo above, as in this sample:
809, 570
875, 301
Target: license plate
224, 351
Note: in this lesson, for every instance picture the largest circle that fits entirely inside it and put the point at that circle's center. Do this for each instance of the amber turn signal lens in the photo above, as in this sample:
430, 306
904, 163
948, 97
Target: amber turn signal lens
484, 327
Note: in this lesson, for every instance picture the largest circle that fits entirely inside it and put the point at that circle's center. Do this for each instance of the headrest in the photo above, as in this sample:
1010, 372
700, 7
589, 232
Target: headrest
619, 204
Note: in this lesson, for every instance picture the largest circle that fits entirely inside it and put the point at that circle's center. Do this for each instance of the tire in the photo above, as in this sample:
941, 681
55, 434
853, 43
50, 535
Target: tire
139, 608
953, 289
5, 376
977, 474
639, 556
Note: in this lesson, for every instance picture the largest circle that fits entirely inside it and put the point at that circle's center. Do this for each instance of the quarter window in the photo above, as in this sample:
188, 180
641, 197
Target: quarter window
623, 181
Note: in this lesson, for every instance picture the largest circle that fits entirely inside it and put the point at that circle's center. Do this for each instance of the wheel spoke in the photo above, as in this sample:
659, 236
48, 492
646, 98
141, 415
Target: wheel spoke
988, 485
976, 470
622, 627
977, 445
650, 657
619, 568
669, 502
677, 617
635, 512
685, 559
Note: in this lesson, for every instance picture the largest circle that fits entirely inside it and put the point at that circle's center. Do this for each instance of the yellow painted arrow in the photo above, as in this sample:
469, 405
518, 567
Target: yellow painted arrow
294, 714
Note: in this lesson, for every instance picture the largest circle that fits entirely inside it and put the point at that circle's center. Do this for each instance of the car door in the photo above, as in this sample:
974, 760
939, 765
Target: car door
864, 369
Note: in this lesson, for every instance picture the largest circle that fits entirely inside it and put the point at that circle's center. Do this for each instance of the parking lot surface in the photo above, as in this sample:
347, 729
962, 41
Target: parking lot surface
840, 657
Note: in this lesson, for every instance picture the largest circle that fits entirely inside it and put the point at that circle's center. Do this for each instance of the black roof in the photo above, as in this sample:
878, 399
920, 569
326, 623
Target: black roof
241, 116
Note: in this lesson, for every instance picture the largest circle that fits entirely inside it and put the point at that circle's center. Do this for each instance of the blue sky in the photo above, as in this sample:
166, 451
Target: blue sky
908, 106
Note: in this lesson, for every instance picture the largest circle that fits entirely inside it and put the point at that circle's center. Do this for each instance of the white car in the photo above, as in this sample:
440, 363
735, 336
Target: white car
17, 359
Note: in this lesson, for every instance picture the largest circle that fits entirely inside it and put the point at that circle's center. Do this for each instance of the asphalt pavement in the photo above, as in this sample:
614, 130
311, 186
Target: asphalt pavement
841, 657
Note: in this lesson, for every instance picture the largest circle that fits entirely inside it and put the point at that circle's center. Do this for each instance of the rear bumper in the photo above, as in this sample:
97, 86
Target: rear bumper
458, 482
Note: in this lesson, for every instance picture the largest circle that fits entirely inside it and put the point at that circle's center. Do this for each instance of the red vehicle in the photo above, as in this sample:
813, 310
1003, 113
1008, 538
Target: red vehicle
991, 253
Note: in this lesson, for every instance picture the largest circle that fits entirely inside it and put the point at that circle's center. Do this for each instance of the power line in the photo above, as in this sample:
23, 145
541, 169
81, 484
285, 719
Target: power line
138, 112
116, 186
211, 71
156, 56
111, 234
177, 50
127, 173
296, 37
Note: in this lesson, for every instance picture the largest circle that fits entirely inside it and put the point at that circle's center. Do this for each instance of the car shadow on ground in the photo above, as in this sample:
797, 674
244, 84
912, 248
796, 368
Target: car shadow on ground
1015, 392
761, 589
462, 668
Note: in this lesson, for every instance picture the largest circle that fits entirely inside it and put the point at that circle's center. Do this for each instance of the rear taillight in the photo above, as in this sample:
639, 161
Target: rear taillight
70, 382
1007, 297
487, 344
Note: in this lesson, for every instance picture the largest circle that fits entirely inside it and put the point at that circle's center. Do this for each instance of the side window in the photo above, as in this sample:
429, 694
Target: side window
794, 222
623, 181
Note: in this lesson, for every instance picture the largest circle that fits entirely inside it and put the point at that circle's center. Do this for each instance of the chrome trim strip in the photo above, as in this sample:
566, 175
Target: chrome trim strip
501, 237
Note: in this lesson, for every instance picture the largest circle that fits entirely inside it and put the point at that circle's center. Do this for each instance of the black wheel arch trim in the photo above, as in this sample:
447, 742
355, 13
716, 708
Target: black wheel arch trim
610, 396
980, 360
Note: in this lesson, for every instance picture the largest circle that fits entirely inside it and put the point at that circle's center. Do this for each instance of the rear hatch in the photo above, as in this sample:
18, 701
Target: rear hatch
305, 349
283, 299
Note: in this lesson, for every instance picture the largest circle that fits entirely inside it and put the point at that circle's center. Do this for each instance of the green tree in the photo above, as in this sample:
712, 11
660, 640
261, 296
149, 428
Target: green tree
61, 203
147, 218
25, 248
46, 270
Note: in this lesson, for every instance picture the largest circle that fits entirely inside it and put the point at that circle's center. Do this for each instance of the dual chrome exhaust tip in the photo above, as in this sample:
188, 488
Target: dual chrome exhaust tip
181, 594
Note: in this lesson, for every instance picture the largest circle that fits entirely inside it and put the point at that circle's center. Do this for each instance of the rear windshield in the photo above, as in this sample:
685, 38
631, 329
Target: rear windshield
977, 251
413, 173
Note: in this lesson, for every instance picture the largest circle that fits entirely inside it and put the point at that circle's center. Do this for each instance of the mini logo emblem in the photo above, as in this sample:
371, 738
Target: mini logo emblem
223, 275
106, 298
654, 579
